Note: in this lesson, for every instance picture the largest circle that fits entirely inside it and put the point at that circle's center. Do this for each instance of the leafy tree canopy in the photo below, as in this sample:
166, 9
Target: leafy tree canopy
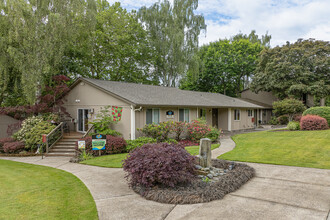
294, 69
226, 65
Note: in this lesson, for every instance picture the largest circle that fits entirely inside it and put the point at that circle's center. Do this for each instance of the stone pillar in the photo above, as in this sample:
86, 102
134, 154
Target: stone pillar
205, 152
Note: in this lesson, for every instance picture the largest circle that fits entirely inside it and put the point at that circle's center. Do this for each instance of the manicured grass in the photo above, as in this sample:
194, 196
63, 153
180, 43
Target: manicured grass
115, 160
37, 192
292, 148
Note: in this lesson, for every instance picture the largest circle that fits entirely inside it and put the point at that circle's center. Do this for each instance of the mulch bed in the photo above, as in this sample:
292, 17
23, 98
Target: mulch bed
199, 191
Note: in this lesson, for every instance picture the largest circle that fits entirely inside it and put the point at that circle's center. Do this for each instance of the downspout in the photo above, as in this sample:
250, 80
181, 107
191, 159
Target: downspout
133, 110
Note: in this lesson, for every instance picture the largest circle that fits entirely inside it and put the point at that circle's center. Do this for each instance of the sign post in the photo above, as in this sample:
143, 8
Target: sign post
98, 142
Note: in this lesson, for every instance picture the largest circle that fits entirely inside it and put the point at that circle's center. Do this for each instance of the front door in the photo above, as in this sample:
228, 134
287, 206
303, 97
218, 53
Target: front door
215, 117
83, 120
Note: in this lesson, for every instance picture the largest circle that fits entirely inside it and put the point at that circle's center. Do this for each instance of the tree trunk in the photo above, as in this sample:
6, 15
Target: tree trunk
322, 102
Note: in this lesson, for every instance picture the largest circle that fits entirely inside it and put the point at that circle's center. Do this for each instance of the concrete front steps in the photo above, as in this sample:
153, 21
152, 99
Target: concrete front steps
64, 147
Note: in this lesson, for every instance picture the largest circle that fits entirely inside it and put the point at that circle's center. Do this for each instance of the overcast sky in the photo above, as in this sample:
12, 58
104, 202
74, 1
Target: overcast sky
285, 20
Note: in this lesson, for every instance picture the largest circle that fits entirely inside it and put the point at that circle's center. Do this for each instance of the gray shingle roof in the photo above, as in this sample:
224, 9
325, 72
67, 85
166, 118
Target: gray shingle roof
140, 94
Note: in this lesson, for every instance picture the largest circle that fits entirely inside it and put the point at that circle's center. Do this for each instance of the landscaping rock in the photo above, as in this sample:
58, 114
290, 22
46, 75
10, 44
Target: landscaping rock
205, 152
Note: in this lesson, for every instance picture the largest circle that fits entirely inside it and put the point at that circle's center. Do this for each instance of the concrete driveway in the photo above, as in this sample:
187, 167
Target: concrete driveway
277, 192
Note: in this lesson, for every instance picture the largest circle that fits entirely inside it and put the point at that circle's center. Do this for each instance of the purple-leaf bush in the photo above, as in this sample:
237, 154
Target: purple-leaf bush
313, 122
13, 147
159, 164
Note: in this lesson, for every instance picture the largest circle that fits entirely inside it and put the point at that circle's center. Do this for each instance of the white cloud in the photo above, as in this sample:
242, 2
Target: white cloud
285, 20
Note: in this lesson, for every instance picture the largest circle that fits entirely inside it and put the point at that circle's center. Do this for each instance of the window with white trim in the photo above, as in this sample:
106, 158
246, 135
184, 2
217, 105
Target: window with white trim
152, 116
184, 115
250, 113
237, 115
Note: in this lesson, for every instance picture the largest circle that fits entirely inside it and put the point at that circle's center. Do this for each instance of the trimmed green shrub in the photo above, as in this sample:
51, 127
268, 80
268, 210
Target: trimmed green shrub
139, 142
159, 131
214, 134
313, 122
288, 107
293, 126
323, 112
159, 164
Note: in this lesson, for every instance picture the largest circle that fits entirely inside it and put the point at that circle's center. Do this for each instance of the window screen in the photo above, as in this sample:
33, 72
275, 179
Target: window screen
181, 114
149, 116
155, 117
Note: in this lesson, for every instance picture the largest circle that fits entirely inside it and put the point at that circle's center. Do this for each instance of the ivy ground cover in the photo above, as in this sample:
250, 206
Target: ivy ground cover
292, 148
37, 192
115, 160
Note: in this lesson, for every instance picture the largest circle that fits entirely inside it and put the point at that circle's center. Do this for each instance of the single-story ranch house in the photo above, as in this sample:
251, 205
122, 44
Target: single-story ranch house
144, 104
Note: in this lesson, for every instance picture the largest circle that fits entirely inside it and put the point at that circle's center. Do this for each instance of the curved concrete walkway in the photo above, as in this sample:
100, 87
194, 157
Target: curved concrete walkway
226, 144
277, 192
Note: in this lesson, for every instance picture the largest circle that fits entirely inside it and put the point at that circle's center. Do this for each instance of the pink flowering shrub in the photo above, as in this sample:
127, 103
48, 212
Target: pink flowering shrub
197, 130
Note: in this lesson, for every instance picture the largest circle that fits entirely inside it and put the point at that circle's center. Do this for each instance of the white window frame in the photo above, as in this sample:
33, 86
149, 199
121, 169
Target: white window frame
250, 110
185, 114
153, 115
235, 114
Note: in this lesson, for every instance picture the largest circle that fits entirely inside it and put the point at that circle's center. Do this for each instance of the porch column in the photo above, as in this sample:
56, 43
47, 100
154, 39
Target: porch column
132, 123
229, 119
261, 113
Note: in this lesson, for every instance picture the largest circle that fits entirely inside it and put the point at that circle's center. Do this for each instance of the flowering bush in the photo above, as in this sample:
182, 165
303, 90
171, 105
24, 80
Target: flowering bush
114, 145
13, 147
159, 164
178, 128
27, 125
159, 131
33, 137
313, 122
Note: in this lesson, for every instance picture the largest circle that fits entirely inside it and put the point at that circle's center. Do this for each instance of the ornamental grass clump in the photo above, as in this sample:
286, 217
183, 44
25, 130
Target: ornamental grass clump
159, 164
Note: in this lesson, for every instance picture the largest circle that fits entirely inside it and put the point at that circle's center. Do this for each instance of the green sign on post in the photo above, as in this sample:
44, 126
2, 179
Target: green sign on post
98, 142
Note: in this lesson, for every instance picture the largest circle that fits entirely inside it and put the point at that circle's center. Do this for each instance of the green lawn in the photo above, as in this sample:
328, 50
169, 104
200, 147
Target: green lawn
292, 148
37, 192
115, 160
